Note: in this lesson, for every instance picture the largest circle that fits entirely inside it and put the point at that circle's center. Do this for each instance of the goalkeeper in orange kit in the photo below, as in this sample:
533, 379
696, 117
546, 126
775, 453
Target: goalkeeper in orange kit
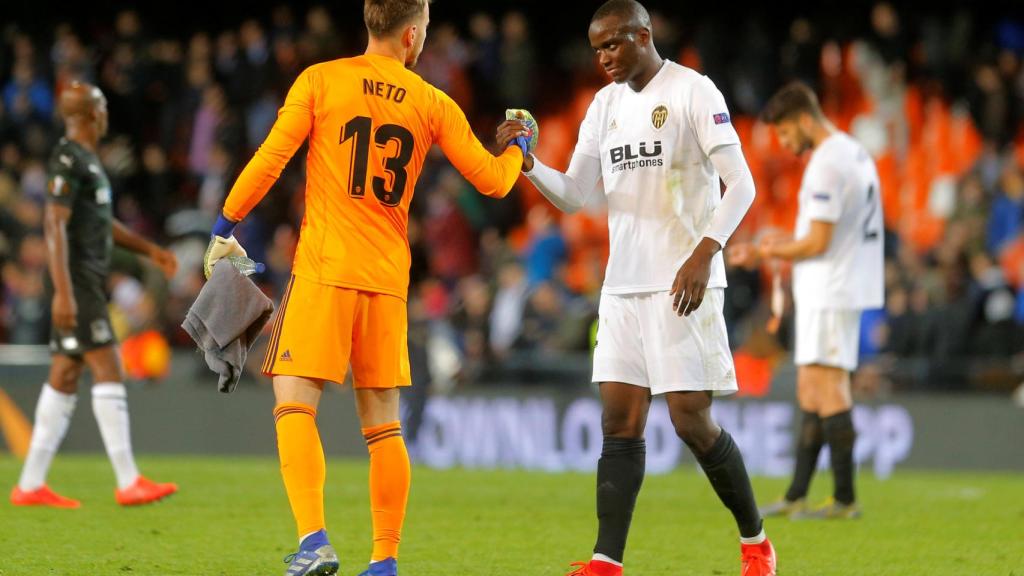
370, 122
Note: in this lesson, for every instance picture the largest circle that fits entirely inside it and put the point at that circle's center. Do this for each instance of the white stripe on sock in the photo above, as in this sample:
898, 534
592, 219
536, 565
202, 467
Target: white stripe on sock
53, 416
756, 539
603, 558
110, 406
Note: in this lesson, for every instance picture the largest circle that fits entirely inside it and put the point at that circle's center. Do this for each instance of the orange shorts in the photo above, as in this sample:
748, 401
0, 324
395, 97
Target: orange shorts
320, 329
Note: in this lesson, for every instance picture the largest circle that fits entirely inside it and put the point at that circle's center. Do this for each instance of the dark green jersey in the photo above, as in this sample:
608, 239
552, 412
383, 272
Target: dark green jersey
77, 180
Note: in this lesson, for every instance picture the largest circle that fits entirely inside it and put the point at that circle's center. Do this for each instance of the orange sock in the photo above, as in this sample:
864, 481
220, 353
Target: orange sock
389, 487
302, 464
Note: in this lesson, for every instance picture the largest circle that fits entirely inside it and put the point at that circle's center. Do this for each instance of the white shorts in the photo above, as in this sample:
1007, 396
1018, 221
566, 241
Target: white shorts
642, 341
827, 337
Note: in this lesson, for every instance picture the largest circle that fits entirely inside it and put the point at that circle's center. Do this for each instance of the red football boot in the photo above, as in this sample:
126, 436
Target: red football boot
41, 496
595, 568
144, 491
758, 559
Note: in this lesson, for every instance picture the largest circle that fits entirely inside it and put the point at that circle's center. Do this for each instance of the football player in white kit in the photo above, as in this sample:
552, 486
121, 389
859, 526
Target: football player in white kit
837, 255
660, 138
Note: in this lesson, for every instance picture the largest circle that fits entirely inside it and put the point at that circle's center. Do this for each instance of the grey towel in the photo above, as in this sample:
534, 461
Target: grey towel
225, 320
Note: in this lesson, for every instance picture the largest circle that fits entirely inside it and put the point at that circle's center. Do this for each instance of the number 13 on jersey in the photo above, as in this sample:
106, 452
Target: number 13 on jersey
389, 189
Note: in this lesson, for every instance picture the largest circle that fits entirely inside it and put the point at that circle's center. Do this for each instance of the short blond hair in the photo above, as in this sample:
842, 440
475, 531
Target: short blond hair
383, 17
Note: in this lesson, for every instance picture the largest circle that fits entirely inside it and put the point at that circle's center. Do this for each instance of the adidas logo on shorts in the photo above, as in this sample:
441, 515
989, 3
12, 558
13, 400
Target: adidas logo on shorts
287, 356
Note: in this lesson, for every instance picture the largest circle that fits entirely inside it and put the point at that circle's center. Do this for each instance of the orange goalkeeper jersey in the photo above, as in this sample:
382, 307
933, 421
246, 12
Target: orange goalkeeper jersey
370, 122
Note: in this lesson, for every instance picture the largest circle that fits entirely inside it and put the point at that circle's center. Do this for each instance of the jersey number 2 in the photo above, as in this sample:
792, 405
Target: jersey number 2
360, 128
869, 232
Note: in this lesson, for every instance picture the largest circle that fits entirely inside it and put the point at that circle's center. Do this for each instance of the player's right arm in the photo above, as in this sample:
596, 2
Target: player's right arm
569, 191
491, 175
293, 124
60, 198
824, 208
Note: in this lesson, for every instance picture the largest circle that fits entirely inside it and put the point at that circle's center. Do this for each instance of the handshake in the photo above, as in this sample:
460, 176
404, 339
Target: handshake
520, 129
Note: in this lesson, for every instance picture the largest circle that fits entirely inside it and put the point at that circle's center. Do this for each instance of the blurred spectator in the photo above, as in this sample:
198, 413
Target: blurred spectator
972, 211
214, 125
26, 317
485, 53
517, 62
547, 250
443, 64
509, 303
448, 232
471, 321
27, 98
542, 319
157, 185
992, 105
1007, 209
72, 60
320, 42
887, 36
801, 53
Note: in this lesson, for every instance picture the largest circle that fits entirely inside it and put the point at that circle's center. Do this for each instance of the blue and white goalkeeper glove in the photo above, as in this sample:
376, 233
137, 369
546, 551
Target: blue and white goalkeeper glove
219, 248
527, 143
223, 245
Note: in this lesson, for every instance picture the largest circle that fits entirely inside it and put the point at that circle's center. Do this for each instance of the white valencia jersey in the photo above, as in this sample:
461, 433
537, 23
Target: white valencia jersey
840, 185
661, 187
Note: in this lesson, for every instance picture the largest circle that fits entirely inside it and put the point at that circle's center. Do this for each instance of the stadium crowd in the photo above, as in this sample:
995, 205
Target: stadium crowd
937, 98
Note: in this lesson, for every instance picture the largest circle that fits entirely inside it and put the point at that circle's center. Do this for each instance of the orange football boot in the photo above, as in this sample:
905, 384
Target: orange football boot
758, 559
595, 568
144, 491
41, 496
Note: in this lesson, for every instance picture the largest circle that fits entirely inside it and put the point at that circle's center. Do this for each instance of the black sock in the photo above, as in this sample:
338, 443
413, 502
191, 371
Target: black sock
808, 447
620, 473
724, 467
840, 436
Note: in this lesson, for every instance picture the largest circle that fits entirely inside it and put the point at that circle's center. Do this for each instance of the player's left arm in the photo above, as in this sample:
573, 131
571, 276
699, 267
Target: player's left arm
718, 139
126, 238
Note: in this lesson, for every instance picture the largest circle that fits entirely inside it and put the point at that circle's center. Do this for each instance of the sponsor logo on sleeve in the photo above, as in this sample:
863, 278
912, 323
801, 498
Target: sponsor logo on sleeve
722, 118
58, 186
823, 196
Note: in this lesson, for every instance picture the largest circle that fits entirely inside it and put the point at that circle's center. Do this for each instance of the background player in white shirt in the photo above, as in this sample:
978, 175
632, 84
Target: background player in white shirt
837, 272
659, 138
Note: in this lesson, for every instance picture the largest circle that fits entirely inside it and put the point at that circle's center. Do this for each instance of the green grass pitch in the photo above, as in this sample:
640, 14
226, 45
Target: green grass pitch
231, 518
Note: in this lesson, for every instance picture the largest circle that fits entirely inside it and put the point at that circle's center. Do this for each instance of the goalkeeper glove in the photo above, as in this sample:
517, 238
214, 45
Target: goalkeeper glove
222, 244
527, 143
219, 248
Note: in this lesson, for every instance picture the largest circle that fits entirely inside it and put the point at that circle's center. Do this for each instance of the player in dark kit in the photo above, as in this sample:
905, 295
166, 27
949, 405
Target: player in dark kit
80, 233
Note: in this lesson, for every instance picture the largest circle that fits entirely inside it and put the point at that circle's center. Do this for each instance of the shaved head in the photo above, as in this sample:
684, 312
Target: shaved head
84, 107
620, 33
80, 98
629, 12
